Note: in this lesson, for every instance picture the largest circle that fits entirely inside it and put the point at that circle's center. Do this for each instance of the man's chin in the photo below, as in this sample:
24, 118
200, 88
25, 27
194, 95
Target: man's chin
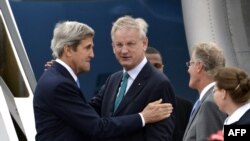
124, 63
85, 70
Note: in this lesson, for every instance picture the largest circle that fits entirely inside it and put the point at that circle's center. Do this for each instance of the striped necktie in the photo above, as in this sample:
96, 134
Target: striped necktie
122, 90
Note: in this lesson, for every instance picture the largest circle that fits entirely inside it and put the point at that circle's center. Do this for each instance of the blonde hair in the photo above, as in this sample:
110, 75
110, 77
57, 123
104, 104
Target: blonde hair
210, 55
130, 22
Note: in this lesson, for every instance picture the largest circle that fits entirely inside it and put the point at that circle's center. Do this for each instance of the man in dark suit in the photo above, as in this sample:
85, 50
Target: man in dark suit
183, 106
145, 83
60, 108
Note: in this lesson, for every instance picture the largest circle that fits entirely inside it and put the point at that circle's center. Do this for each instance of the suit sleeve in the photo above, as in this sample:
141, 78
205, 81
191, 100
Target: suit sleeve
69, 105
96, 101
163, 130
214, 122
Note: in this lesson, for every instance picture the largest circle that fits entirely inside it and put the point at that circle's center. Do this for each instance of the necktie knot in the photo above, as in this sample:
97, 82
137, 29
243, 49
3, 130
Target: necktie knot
125, 76
122, 90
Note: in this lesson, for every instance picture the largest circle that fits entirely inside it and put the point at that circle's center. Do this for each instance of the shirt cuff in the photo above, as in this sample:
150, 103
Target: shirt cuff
142, 120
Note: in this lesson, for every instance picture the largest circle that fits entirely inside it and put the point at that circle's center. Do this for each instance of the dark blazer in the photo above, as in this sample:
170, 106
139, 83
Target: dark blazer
244, 120
149, 85
62, 113
183, 110
205, 120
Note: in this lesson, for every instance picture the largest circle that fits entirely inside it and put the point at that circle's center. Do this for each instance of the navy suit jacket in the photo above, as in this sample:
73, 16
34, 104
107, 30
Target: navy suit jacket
62, 113
149, 85
244, 120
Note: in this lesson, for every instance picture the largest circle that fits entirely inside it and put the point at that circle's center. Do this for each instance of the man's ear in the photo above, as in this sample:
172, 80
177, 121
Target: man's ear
113, 47
199, 66
145, 43
67, 50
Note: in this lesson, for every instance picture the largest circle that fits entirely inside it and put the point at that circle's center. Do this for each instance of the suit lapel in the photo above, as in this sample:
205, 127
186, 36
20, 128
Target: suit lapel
65, 73
196, 111
116, 81
134, 90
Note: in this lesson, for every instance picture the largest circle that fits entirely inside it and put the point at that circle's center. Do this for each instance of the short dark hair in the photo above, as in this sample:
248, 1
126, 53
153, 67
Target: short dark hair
152, 50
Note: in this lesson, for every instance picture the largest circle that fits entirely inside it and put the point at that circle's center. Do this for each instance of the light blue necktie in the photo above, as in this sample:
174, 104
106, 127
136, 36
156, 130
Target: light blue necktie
77, 82
122, 90
195, 107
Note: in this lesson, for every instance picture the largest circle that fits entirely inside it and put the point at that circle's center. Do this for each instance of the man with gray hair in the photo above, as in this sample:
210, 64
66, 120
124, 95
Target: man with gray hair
205, 118
143, 83
61, 110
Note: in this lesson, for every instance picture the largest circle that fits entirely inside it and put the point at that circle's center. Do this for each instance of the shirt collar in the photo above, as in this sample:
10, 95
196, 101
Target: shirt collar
135, 71
204, 91
67, 67
237, 114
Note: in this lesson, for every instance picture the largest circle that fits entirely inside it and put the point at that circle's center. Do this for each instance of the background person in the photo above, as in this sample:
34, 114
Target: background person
232, 95
206, 118
183, 107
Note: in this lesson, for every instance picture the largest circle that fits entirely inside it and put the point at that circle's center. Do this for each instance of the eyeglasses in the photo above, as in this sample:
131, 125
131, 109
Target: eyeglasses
189, 63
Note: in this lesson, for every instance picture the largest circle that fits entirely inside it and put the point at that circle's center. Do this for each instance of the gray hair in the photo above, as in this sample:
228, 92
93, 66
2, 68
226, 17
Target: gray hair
69, 33
210, 55
130, 22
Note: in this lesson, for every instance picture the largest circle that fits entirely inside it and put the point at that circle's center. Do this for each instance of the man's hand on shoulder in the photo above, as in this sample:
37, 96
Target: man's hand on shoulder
156, 111
48, 64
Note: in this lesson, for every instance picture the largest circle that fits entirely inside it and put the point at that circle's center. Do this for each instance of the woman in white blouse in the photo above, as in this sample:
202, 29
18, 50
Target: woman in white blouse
232, 94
